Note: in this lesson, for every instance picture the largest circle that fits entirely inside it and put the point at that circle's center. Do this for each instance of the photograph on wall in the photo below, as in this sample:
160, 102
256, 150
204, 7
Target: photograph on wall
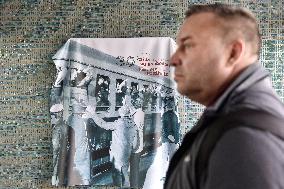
114, 112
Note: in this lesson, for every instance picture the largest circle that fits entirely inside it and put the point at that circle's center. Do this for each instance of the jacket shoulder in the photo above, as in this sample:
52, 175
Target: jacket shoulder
246, 158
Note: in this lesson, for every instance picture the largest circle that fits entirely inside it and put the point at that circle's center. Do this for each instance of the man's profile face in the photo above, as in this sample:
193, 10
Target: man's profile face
200, 59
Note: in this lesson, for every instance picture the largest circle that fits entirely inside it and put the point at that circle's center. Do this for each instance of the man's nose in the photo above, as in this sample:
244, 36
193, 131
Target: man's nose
174, 60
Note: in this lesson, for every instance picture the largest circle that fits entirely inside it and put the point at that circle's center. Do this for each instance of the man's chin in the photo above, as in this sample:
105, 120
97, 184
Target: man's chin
181, 91
188, 92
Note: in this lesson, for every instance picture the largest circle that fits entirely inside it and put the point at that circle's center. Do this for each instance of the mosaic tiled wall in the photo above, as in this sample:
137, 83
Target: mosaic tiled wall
31, 31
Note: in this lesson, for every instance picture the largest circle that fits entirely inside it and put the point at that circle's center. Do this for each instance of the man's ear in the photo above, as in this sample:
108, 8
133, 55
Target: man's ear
236, 51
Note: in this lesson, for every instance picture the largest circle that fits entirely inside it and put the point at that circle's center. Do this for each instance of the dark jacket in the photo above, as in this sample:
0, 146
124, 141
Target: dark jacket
243, 158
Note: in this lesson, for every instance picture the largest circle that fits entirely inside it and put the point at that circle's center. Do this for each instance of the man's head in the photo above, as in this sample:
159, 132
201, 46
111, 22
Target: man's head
215, 43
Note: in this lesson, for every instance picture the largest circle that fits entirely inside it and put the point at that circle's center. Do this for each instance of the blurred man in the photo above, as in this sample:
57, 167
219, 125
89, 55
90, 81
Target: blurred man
170, 128
216, 64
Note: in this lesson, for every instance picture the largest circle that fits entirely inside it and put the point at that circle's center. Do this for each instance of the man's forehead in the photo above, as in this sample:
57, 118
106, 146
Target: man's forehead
186, 32
194, 25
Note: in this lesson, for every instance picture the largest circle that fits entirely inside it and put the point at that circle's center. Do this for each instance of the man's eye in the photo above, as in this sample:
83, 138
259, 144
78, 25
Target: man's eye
187, 46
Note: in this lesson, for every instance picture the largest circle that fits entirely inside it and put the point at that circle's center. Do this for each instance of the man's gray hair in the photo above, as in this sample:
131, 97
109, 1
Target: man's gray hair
235, 19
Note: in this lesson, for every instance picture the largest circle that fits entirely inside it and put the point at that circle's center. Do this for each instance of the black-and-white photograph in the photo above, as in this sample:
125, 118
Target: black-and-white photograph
113, 124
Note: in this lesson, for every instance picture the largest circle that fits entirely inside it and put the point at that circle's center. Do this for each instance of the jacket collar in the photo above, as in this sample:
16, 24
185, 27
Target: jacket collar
251, 75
